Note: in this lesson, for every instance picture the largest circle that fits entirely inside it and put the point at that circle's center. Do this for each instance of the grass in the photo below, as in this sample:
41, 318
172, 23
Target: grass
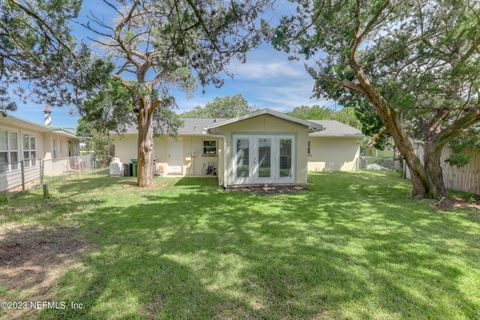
354, 246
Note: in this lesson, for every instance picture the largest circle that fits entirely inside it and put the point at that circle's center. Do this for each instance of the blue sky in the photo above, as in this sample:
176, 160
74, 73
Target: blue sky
267, 79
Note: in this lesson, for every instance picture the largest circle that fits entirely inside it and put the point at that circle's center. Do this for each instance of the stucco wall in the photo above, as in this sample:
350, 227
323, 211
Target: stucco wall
267, 124
333, 154
194, 163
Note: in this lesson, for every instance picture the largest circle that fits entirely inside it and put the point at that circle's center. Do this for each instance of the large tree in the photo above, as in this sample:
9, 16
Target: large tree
37, 51
222, 107
156, 45
414, 62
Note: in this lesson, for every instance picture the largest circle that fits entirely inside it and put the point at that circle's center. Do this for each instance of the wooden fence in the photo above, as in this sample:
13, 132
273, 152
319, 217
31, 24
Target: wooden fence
466, 178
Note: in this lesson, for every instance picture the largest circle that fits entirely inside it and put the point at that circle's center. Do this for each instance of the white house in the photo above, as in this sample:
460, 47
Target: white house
263, 147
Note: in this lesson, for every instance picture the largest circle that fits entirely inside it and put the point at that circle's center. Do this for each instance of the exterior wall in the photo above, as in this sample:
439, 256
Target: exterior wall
333, 154
43, 147
266, 124
39, 138
62, 146
194, 163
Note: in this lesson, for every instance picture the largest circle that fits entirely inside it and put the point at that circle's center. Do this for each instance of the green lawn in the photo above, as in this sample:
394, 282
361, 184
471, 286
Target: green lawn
355, 246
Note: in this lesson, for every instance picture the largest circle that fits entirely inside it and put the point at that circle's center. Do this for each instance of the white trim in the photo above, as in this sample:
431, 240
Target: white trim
306, 123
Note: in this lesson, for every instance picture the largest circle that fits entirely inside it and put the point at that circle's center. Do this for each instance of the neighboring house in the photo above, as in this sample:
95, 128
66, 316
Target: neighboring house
23, 142
263, 147
466, 178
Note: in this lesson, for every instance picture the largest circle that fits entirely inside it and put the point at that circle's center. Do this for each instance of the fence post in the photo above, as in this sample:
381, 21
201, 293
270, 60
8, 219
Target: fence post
42, 170
22, 167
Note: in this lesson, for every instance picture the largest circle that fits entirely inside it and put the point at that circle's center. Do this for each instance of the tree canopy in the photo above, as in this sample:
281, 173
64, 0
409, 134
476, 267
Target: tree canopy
155, 46
415, 63
36, 47
345, 114
222, 107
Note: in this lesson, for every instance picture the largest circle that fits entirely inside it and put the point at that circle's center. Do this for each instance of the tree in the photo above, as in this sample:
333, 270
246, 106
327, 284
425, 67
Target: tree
345, 115
222, 107
414, 62
156, 45
312, 112
36, 47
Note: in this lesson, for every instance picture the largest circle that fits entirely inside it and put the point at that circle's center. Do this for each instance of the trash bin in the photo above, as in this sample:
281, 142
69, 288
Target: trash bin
134, 169
127, 169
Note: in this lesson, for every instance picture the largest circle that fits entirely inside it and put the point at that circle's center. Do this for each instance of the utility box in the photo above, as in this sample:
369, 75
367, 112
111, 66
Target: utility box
116, 168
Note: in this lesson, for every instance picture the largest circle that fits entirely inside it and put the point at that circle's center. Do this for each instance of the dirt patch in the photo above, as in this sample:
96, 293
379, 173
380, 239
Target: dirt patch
456, 202
32, 260
269, 189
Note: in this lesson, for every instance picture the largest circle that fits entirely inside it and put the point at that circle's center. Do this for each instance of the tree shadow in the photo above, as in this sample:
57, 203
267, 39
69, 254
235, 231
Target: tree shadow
347, 249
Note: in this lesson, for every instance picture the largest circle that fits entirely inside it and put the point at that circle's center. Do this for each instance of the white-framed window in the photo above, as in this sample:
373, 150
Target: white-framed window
54, 148
309, 147
209, 147
29, 150
60, 142
8, 150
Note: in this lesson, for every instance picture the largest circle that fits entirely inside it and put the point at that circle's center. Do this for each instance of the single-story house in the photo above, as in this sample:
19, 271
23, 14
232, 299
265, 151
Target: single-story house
24, 143
263, 147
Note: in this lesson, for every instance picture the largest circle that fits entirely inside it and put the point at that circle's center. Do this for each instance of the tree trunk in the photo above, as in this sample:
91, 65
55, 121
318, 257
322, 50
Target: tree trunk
391, 120
145, 147
433, 168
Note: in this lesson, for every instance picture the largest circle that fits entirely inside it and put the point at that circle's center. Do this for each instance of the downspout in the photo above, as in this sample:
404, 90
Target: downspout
219, 136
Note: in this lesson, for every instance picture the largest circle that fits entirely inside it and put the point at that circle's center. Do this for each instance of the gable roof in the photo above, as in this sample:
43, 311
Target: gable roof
335, 128
312, 126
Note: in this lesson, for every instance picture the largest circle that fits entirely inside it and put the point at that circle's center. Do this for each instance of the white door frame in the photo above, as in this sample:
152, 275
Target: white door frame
174, 162
253, 177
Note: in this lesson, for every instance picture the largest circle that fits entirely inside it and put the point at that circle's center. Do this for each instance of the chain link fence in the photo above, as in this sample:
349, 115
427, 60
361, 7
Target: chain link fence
27, 174
379, 163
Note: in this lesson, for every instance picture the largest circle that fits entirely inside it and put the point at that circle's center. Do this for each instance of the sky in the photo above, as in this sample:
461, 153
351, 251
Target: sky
267, 79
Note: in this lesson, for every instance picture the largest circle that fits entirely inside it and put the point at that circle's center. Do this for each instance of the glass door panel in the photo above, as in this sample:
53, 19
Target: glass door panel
264, 158
285, 162
243, 152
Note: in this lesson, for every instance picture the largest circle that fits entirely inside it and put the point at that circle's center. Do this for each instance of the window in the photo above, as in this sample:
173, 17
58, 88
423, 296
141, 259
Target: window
286, 158
61, 147
29, 150
8, 150
209, 147
54, 148
309, 148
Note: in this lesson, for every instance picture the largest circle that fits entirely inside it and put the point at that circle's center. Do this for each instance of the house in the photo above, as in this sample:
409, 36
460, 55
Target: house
24, 143
263, 147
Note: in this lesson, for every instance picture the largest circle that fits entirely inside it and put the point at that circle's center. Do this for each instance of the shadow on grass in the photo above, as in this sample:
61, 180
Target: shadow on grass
352, 247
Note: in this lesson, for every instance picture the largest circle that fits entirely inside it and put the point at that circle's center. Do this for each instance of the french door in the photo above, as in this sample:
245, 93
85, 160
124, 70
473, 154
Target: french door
259, 159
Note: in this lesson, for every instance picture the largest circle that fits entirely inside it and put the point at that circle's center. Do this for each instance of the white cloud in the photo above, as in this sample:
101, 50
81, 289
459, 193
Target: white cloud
268, 70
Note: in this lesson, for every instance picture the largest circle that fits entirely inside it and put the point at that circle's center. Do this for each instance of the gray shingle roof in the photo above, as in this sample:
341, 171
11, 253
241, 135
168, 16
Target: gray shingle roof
190, 125
335, 128
197, 126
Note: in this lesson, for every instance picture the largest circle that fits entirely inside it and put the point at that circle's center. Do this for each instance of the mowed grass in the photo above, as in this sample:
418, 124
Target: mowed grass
353, 247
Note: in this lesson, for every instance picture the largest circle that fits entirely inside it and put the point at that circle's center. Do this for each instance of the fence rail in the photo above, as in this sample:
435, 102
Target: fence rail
22, 175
